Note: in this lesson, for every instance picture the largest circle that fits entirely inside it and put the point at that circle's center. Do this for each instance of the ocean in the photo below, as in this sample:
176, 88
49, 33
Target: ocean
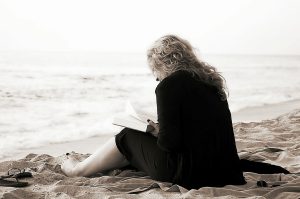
54, 97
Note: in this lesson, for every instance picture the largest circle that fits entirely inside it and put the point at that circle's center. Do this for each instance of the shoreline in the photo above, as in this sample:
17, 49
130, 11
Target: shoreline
264, 112
89, 145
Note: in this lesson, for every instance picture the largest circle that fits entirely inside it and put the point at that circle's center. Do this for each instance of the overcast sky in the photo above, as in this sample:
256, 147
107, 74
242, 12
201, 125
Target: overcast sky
223, 26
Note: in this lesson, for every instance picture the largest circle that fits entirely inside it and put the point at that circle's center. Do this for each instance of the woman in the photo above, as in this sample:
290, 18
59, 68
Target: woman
193, 145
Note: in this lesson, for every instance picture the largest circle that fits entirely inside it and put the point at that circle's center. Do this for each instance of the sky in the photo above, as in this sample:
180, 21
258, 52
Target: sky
212, 26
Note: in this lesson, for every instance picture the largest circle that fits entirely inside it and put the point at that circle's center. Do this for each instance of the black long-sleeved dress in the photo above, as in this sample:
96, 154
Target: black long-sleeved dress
195, 145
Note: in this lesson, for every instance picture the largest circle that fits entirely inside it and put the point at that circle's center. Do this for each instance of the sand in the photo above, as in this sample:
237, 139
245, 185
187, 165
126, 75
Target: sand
268, 111
268, 134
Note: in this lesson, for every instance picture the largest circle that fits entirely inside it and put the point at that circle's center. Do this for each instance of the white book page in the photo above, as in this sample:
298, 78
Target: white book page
130, 122
139, 114
134, 118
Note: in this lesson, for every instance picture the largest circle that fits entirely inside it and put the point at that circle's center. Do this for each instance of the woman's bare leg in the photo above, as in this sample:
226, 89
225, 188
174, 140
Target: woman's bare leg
107, 157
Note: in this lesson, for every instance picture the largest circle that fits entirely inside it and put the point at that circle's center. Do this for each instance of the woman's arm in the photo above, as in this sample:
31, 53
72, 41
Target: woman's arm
169, 99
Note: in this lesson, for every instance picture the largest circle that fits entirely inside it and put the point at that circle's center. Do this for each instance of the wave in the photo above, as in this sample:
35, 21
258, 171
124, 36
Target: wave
43, 103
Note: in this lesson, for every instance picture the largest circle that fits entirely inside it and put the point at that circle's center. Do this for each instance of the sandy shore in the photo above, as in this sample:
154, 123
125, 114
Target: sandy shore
267, 134
251, 114
266, 112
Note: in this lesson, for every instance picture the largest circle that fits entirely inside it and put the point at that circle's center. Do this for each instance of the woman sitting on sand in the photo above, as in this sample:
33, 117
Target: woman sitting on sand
193, 145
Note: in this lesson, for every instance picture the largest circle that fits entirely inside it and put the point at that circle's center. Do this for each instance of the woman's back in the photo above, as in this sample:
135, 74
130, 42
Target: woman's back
196, 128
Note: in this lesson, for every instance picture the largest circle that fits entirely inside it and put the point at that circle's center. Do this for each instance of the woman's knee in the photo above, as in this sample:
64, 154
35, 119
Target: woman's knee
129, 132
125, 130
125, 138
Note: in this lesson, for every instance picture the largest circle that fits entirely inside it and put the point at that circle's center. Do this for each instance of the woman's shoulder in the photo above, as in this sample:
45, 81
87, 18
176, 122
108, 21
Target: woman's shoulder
175, 80
179, 74
175, 76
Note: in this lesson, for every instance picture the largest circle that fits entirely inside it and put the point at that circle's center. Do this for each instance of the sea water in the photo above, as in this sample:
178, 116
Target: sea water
52, 97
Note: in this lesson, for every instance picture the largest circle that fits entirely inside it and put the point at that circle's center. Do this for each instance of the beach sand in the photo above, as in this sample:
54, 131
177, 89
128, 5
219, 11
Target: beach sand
270, 133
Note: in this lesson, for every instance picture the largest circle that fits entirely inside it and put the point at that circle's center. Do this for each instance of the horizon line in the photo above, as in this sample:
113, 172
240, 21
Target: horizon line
139, 52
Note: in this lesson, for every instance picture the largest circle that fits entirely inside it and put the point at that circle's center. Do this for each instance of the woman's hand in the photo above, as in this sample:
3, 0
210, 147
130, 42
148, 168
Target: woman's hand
155, 126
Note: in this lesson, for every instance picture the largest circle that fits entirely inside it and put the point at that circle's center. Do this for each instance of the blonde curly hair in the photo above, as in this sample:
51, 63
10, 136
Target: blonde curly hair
171, 53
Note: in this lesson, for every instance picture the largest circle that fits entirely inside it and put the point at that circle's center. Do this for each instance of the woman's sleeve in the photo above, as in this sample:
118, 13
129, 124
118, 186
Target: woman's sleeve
169, 98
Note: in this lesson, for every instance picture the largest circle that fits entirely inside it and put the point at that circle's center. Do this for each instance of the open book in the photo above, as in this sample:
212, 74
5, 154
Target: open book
134, 118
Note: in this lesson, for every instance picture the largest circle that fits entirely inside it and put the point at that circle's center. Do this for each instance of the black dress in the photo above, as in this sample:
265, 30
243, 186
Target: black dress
195, 145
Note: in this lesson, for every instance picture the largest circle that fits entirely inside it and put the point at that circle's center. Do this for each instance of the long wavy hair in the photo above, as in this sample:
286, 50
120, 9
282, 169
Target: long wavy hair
171, 53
